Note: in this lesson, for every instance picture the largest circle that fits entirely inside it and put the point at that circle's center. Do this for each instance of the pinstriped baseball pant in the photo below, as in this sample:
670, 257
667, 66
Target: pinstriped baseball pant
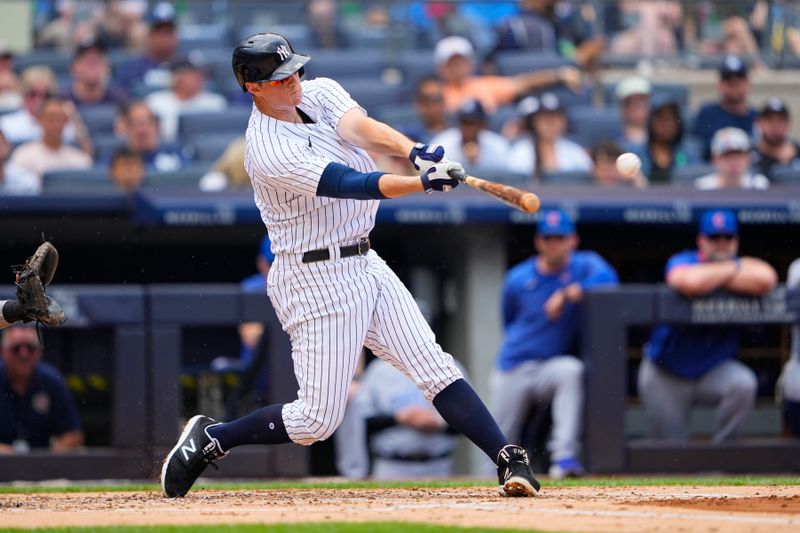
330, 309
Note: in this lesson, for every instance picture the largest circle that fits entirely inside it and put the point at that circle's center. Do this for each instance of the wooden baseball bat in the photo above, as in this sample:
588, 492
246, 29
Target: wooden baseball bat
525, 201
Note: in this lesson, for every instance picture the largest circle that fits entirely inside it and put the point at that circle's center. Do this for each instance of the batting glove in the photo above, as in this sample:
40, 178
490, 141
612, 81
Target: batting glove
424, 156
442, 177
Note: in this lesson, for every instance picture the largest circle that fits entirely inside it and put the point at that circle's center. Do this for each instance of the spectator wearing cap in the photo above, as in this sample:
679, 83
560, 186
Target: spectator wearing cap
540, 27
730, 148
689, 364
633, 98
665, 149
138, 126
471, 142
605, 172
775, 147
51, 152
431, 113
126, 169
15, 179
732, 110
541, 316
38, 83
543, 148
36, 409
455, 60
188, 94
10, 98
91, 74
151, 70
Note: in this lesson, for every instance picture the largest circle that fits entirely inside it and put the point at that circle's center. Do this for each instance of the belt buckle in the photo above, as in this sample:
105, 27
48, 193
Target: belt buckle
363, 246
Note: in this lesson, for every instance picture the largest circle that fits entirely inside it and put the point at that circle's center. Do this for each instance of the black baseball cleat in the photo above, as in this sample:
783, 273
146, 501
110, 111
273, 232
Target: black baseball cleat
194, 451
514, 472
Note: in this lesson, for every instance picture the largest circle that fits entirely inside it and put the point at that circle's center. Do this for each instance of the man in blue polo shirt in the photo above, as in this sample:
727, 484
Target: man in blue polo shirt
686, 365
541, 309
36, 410
732, 110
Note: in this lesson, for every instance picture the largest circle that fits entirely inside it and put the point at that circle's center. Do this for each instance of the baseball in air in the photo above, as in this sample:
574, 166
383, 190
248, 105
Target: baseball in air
629, 164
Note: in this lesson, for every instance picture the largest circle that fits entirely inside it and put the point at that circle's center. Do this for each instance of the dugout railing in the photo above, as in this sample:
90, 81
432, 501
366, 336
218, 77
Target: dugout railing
608, 315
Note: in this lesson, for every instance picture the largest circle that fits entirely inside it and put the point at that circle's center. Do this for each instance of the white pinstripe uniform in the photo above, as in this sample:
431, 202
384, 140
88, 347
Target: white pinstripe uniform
332, 308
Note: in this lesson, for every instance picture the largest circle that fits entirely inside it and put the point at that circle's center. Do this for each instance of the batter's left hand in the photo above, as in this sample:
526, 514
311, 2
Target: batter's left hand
424, 156
440, 177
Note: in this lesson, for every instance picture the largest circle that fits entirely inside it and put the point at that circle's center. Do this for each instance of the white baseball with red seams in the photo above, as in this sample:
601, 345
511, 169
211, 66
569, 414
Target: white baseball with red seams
331, 308
629, 164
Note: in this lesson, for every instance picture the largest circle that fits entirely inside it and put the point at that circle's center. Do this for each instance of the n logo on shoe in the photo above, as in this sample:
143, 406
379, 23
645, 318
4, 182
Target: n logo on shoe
191, 448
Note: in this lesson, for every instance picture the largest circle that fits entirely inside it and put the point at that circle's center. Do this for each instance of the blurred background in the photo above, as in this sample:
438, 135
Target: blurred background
122, 142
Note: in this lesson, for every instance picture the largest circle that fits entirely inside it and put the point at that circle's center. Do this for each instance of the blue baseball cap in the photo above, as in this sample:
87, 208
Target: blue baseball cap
265, 249
556, 222
719, 222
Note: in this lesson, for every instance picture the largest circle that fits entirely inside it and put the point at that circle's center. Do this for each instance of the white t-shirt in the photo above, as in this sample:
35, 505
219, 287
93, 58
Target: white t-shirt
570, 156
168, 109
711, 182
17, 180
492, 148
20, 127
38, 158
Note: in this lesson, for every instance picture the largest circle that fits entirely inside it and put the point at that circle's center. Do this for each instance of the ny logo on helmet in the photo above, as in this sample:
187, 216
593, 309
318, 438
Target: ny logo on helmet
284, 52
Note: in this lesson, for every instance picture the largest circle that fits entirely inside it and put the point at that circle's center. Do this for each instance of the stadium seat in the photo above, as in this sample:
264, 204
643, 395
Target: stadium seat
396, 114
104, 145
499, 175
339, 64
99, 118
233, 120
187, 176
501, 116
371, 93
415, 65
576, 177
202, 37
59, 62
519, 61
588, 125
93, 180
210, 146
686, 175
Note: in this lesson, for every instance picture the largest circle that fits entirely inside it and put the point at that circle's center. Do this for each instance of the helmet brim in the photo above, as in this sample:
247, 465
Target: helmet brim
289, 67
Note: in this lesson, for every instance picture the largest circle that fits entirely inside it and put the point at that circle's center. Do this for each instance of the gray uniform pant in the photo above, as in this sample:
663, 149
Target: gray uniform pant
667, 399
558, 381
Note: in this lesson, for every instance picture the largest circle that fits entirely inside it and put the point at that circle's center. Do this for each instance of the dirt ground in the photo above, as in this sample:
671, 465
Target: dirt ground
618, 509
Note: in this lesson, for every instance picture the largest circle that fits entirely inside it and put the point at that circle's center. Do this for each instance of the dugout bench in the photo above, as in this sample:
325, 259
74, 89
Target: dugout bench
607, 315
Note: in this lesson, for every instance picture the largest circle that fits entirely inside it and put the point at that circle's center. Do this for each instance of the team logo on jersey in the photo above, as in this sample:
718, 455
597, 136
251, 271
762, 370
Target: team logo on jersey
284, 52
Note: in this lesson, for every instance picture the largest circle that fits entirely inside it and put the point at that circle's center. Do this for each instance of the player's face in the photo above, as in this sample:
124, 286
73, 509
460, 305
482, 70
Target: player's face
555, 249
289, 93
774, 128
718, 247
21, 351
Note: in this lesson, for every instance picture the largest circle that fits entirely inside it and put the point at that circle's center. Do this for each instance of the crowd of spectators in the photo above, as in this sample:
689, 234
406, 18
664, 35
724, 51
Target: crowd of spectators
133, 73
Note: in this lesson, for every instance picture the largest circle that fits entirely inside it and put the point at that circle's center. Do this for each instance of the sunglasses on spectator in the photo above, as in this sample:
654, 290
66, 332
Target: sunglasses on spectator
39, 94
721, 237
16, 349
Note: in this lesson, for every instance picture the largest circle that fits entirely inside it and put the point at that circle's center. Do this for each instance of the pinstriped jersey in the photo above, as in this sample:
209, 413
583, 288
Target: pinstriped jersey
285, 161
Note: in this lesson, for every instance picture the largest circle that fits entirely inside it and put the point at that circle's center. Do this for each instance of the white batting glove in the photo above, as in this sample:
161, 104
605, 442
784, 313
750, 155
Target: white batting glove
444, 177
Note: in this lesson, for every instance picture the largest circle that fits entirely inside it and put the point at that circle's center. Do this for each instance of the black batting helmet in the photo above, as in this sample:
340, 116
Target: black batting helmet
266, 57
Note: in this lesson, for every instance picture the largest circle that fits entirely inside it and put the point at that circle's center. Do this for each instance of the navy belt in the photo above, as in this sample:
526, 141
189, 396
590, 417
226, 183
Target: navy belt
323, 254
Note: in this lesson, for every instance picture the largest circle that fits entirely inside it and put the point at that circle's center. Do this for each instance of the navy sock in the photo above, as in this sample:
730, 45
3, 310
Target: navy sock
264, 426
464, 411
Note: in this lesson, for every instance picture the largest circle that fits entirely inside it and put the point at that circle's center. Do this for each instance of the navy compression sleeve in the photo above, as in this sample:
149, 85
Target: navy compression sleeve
340, 181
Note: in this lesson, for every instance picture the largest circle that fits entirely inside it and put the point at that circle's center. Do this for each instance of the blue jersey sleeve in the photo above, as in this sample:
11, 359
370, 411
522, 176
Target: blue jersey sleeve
681, 259
596, 271
510, 300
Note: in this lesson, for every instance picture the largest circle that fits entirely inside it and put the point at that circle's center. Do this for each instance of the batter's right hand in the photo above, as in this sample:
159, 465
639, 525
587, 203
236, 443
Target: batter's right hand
443, 177
424, 156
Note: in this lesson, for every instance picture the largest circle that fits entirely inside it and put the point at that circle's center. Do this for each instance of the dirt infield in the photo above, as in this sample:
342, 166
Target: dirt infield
619, 509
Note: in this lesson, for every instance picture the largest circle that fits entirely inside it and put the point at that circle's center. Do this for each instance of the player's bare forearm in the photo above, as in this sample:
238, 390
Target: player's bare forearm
754, 277
373, 136
68, 441
395, 186
698, 280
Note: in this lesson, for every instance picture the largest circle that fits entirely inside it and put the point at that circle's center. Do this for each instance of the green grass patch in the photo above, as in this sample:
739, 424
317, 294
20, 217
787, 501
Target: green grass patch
338, 484
365, 527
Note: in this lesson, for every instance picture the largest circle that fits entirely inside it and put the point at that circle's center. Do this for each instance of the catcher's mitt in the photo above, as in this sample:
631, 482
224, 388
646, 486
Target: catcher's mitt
32, 277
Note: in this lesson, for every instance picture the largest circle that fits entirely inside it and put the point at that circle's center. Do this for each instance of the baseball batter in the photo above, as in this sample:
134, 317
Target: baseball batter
318, 191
